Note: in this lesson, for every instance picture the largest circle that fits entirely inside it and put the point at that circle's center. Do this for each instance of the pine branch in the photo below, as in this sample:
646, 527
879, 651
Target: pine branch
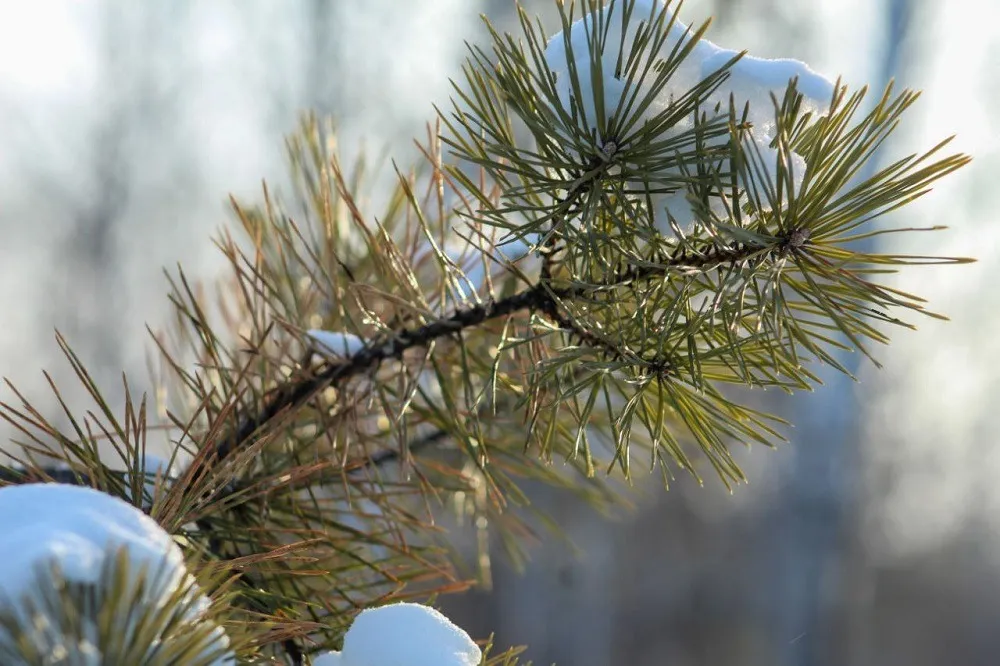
390, 455
652, 318
541, 297
48, 475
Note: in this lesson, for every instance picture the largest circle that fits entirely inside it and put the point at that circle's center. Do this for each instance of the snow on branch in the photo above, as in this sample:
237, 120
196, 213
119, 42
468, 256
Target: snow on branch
77, 530
403, 634
754, 84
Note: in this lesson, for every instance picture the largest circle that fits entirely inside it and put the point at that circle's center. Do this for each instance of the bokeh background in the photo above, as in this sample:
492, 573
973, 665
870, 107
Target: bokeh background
873, 539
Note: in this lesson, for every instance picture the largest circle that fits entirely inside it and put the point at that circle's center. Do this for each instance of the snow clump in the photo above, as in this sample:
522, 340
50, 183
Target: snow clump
77, 529
751, 80
403, 635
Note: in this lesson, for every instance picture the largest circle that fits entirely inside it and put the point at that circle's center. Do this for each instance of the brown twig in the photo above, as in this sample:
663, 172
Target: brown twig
538, 298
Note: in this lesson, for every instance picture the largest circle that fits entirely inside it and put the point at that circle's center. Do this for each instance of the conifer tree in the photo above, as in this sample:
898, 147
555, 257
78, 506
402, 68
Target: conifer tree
610, 236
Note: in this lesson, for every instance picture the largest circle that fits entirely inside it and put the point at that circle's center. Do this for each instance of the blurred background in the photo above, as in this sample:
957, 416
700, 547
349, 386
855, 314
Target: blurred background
872, 539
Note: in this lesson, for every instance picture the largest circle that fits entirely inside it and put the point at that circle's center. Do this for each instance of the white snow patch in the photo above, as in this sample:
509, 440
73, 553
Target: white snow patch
337, 344
77, 528
752, 80
403, 635
474, 263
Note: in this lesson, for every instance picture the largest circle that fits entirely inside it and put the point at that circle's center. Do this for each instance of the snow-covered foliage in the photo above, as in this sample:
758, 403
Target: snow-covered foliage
77, 529
751, 80
403, 635
75, 526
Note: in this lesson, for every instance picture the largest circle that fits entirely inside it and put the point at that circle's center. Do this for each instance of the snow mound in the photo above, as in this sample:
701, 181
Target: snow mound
403, 635
77, 528
751, 80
